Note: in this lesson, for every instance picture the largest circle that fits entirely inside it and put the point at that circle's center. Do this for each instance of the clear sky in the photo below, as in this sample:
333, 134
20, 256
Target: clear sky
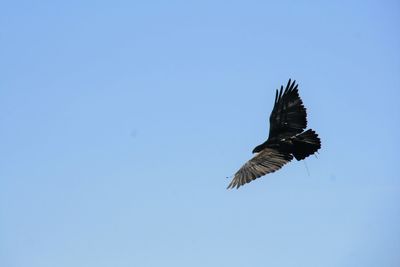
120, 121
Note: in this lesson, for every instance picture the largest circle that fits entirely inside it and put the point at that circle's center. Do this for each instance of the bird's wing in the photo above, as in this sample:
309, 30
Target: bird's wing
288, 117
267, 161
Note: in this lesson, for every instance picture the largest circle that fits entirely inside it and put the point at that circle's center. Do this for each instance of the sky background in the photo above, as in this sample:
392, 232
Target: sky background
120, 121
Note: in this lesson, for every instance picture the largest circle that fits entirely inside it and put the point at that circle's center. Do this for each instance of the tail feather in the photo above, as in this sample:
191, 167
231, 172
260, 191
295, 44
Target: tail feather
306, 144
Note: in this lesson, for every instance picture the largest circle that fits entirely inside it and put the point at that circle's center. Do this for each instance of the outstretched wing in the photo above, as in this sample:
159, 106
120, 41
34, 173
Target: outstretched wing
288, 117
267, 161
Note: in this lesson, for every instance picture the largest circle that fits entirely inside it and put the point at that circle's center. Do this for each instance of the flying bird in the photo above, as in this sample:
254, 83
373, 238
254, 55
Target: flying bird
287, 138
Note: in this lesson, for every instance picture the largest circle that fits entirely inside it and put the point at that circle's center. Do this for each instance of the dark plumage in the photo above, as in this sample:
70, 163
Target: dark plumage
287, 138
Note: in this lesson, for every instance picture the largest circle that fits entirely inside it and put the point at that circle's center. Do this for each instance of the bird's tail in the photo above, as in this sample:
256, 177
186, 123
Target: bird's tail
305, 144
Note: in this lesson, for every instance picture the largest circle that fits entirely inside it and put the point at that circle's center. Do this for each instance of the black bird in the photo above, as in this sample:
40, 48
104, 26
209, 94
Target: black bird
287, 138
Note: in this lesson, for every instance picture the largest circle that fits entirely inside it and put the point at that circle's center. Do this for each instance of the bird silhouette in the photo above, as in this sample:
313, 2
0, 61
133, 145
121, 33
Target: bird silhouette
287, 138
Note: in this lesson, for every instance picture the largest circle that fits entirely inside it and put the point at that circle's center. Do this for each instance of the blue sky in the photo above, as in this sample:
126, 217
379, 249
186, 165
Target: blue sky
120, 121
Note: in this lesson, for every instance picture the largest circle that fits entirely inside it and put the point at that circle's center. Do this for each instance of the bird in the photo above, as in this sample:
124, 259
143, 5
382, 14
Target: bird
287, 138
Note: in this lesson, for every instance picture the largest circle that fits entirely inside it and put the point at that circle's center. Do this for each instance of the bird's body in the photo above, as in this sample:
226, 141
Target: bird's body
287, 138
